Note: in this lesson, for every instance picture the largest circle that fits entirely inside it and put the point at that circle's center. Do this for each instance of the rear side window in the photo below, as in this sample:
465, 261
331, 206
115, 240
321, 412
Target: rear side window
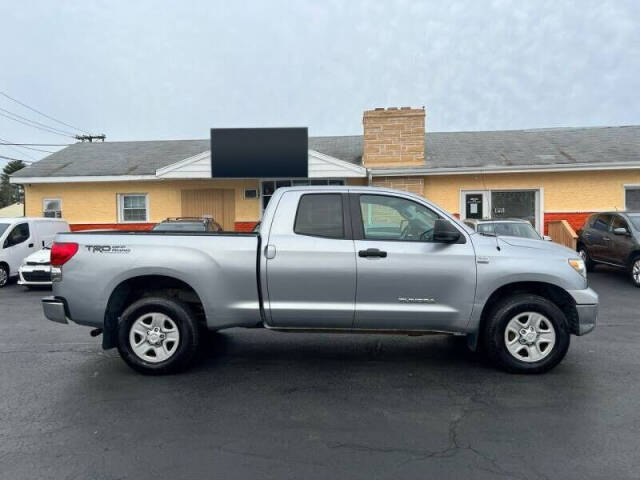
602, 223
320, 215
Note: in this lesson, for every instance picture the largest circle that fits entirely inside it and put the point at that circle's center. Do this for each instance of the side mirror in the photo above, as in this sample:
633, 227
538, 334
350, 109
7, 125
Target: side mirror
445, 232
547, 238
620, 231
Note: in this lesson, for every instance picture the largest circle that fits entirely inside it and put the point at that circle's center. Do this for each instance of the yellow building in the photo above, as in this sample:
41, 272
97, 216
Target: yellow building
540, 175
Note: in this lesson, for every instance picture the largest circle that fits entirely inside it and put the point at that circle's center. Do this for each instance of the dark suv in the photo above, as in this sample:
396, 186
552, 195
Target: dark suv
612, 238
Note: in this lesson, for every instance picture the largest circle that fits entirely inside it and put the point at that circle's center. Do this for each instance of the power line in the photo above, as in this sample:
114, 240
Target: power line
6, 142
35, 126
18, 151
41, 144
38, 123
16, 159
41, 113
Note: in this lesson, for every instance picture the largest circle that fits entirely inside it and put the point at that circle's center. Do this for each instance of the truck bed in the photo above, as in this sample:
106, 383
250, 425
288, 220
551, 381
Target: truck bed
220, 266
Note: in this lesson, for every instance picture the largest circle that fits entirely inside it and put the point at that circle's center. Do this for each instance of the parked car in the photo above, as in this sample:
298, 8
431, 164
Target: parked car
20, 237
326, 259
188, 224
511, 227
35, 270
612, 238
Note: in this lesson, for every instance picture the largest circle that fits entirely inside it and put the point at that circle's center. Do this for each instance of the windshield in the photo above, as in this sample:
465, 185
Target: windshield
179, 227
3, 227
635, 219
510, 229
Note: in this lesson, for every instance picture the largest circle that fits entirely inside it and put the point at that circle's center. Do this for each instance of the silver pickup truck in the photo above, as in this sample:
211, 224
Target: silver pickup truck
326, 259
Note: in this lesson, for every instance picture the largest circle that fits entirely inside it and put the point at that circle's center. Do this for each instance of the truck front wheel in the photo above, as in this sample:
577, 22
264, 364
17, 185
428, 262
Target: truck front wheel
526, 334
158, 335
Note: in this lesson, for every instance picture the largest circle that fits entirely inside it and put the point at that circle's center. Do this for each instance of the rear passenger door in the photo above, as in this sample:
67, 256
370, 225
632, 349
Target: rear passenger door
597, 237
310, 267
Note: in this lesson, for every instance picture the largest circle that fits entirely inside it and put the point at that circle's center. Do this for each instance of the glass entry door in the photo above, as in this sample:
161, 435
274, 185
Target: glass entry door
475, 205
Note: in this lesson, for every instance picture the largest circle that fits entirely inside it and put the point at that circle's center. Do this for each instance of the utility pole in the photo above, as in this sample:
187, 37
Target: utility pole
91, 138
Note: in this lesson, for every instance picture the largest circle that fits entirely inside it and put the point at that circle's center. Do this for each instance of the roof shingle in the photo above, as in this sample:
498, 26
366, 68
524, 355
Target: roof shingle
596, 145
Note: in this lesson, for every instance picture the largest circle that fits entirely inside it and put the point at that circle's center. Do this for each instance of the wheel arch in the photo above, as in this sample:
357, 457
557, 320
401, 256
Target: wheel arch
557, 295
634, 253
137, 287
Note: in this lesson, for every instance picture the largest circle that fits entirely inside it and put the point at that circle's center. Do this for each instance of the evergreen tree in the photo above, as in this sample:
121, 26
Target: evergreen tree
10, 194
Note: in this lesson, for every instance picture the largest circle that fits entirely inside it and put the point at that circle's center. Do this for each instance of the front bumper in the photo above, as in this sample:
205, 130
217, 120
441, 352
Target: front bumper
35, 275
55, 310
587, 311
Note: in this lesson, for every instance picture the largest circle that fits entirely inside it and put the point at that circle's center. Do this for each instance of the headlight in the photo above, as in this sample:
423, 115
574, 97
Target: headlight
578, 265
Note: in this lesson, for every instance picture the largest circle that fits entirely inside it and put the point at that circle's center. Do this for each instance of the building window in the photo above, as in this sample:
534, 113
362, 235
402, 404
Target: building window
268, 187
133, 207
52, 208
632, 198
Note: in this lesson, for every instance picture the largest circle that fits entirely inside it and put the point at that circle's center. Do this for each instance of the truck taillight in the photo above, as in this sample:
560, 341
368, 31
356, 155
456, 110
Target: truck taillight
61, 253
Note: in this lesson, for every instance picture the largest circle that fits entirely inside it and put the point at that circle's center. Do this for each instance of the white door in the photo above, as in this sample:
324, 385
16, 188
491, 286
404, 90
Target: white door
18, 244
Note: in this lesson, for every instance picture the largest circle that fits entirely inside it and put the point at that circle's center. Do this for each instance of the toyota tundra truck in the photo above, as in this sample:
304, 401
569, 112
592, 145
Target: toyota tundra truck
325, 259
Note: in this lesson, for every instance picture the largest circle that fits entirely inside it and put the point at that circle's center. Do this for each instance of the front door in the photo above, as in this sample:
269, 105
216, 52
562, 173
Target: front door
310, 267
217, 203
405, 279
619, 247
18, 244
474, 205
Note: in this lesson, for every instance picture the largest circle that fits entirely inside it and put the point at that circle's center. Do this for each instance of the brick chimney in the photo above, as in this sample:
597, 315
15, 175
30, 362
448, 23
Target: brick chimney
393, 137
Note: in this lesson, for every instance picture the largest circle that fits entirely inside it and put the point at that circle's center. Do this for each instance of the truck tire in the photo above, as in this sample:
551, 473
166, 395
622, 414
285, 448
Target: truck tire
158, 335
526, 333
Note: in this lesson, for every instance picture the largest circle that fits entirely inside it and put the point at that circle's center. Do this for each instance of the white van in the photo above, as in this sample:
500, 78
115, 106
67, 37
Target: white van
20, 237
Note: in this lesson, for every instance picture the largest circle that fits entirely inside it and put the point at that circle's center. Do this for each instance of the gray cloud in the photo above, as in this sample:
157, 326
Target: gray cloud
160, 70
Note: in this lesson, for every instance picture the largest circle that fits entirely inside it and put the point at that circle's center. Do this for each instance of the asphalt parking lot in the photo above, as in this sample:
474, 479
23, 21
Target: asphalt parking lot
273, 405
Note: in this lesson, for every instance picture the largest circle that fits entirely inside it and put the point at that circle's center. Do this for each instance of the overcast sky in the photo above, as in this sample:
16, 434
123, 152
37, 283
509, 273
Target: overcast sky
141, 70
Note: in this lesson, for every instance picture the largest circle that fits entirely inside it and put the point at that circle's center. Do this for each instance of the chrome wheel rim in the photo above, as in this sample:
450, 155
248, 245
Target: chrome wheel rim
154, 337
635, 271
583, 255
529, 337
3, 277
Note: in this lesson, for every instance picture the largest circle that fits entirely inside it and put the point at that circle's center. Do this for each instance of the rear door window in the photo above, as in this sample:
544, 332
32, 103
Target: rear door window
602, 222
320, 215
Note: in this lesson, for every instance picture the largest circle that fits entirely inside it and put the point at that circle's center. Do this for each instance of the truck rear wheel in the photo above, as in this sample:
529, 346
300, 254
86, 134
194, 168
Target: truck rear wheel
526, 334
158, 335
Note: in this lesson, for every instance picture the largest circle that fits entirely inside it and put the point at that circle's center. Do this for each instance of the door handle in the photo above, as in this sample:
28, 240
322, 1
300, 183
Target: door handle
372, 252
